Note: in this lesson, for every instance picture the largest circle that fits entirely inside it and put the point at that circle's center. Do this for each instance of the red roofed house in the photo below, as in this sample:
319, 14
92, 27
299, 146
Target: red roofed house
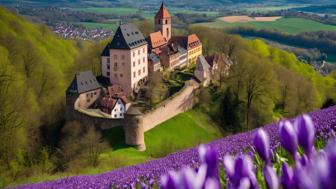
113, 106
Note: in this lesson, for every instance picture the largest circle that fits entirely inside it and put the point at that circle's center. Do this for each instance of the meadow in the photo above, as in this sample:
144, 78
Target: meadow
288, 25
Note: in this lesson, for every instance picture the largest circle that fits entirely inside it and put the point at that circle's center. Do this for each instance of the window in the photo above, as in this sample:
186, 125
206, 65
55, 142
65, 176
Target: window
133, 63
166, 21
123, 64
123, 57
121, 109
121, 75
139, 52
134, 74
116, 64
133, 54
168, 32
108, 60
88, 100
139, 61
115, 115
143, 59
144, 70
115, 57
139, 72
91, 95
144, 50
87, 95
108, 73
120, 114
95, 93
108, 67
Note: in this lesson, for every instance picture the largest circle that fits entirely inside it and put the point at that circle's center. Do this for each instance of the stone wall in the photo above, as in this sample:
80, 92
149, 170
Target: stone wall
136, 125
178, 103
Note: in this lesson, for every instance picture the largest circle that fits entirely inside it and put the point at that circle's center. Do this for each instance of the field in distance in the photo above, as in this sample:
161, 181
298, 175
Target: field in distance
288, 25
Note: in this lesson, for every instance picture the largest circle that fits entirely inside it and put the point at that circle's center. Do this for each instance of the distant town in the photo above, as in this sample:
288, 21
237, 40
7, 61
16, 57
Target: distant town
70, 31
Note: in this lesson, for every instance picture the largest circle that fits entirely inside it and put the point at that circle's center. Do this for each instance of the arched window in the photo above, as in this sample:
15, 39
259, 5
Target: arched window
166, 21
167, 32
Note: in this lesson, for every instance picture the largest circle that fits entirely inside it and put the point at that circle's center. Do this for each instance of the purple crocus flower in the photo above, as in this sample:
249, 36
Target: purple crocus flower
261, 144
271, 178
287, 178
288, 138
209, 157
243, 168
306, 132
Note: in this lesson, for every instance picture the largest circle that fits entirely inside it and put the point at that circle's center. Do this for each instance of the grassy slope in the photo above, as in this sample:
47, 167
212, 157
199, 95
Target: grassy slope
289, 25
185, 130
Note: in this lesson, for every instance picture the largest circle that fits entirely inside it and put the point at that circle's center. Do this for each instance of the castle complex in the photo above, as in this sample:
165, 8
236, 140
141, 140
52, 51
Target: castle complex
130, 58
126, 64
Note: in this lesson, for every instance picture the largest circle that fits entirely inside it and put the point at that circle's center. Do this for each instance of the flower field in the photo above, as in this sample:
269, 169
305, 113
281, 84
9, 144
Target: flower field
264, 141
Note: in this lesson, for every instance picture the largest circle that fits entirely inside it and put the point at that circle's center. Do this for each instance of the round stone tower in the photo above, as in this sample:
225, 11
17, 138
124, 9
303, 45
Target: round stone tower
134, 129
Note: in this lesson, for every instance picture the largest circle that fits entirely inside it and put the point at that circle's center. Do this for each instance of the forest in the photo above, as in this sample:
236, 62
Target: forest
322, 40
36, 66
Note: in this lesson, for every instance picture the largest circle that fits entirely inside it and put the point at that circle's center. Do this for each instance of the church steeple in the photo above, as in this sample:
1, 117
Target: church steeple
163, 22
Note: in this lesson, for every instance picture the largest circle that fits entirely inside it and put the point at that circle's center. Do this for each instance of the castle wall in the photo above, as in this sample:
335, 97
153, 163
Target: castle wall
103, 123
179, 103
136, 125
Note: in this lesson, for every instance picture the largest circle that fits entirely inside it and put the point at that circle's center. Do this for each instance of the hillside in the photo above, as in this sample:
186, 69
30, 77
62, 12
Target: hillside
33, 63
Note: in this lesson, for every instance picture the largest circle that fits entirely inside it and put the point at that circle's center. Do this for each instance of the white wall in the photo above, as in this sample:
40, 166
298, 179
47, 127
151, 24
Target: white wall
118, 110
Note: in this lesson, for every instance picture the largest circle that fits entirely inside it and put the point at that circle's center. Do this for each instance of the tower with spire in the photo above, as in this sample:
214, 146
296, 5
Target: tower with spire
163, 22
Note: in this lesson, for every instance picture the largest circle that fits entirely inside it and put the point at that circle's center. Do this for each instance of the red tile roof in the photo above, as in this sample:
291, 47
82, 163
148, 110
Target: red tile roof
193, 41
156, 39
163, 12
187, 42
107, 104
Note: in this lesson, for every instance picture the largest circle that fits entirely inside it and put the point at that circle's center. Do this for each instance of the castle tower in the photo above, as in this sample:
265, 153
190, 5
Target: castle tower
134, 129
163, 22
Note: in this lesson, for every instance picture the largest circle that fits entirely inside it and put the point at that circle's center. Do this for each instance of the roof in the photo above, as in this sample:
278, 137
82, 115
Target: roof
133, 111
116, 91
106, 51
107, 103
127, 36
187, 42
83, 82
193, 41
154, 58
163, 12
156, 39
203, 63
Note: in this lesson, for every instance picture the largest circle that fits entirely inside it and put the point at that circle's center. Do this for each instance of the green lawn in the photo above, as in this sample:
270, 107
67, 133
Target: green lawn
289, 25
91, 25
183, 131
